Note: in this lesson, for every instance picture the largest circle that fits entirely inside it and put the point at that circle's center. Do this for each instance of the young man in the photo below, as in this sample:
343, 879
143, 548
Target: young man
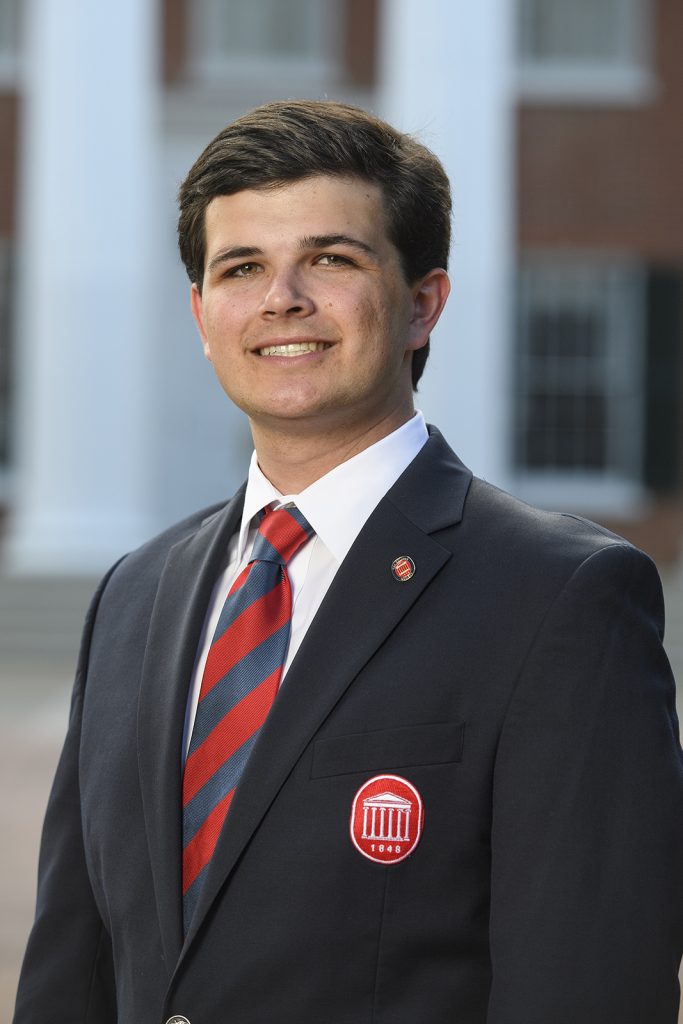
414, 757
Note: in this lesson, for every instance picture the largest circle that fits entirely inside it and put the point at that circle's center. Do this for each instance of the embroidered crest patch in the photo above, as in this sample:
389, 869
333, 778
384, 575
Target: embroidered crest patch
387, 818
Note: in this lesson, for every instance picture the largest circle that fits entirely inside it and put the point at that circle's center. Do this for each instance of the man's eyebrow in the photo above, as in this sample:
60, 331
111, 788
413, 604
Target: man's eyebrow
237, 252
325, 241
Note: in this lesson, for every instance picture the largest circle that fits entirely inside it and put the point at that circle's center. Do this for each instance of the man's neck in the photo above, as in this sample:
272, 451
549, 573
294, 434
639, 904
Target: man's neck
293, 461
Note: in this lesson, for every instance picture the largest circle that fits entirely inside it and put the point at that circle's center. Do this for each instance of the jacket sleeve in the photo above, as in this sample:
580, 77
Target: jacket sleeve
67, 974
587, 839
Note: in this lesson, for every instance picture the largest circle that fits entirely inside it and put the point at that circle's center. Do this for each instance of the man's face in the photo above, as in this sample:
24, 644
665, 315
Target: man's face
304, 310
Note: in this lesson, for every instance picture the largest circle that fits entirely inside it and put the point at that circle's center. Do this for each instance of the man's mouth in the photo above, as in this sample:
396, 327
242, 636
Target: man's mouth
294, 348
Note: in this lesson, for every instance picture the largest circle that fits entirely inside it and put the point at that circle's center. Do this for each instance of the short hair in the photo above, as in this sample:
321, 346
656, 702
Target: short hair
290, 140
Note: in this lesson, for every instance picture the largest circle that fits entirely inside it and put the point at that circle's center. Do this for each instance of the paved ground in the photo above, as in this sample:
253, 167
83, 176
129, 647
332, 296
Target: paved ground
34, 696
33, 710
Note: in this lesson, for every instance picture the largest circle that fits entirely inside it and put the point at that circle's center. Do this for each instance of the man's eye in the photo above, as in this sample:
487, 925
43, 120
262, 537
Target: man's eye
244, 270
334, 259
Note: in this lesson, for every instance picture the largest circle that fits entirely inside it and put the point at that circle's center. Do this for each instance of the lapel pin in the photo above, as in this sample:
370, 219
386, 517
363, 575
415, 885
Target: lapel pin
387, 818
403, 568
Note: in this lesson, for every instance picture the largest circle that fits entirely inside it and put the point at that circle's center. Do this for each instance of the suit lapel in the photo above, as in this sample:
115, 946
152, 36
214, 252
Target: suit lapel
364, 604
182, 598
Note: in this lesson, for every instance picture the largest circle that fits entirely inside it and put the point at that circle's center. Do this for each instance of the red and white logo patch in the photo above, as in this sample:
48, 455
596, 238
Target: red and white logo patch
387, 818
403, 568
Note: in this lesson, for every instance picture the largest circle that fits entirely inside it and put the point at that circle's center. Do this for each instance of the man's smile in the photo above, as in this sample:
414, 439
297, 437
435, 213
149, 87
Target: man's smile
293, 348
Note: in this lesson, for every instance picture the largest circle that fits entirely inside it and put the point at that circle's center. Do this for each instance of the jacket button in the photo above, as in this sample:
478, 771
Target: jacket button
177, 1020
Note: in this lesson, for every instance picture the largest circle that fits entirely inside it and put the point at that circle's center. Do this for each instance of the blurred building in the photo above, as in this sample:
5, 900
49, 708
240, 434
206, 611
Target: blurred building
560, 372
599, 331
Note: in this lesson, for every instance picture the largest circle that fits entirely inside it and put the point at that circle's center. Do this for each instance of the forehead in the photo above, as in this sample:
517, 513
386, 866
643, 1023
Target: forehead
319, 204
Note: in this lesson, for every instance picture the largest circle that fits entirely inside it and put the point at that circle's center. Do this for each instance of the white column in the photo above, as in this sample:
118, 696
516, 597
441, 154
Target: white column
87, 303
447, 76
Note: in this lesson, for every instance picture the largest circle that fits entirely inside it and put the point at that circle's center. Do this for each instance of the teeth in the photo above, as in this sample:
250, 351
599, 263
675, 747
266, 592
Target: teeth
294, 349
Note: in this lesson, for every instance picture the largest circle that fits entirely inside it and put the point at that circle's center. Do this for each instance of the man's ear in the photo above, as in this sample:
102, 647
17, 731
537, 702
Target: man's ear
196, 307
429, 298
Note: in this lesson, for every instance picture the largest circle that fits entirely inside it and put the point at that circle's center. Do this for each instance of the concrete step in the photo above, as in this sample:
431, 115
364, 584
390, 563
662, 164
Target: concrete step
673, 597
42, 617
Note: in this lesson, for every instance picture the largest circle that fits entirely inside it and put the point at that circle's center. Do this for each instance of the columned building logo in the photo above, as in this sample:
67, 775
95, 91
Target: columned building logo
387, 818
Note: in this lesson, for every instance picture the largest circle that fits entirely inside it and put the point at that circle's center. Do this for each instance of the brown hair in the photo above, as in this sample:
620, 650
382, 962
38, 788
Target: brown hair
287, 141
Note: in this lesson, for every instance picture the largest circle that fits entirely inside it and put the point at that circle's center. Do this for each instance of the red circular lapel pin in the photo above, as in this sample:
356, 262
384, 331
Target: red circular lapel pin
403, 568
387, 818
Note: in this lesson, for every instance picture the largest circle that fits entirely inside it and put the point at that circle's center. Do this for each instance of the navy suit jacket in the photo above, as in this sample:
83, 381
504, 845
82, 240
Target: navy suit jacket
517, 681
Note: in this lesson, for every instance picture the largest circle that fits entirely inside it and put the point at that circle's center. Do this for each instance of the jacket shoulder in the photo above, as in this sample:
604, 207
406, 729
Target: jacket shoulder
147, 561
521, 523
534, 549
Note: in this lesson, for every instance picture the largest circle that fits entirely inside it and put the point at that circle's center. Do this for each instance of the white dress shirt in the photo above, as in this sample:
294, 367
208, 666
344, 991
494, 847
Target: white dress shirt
337, 507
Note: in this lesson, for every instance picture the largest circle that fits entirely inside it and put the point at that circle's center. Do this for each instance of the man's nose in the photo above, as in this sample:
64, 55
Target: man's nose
286, 294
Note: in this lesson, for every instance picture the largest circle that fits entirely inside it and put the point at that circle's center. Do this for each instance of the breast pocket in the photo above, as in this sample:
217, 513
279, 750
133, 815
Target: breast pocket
385, 749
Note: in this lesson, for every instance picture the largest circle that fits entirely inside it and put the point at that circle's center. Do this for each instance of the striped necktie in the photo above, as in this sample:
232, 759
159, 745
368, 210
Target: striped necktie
241, 677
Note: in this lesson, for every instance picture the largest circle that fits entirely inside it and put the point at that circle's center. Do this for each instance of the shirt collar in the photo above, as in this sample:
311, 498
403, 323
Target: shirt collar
339, 503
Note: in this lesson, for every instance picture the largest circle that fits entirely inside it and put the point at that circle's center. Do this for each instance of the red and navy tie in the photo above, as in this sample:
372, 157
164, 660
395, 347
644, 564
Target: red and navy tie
240, 681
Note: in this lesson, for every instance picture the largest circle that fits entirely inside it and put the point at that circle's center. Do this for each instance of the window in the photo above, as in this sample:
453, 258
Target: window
591, 50
9, 40
265, 37
580, 371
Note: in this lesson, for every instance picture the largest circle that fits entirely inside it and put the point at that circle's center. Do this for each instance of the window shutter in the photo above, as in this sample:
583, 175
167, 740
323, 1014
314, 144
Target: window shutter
663, 381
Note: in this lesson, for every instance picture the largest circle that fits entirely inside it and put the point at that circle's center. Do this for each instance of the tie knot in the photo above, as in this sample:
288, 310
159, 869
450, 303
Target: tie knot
280, 535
